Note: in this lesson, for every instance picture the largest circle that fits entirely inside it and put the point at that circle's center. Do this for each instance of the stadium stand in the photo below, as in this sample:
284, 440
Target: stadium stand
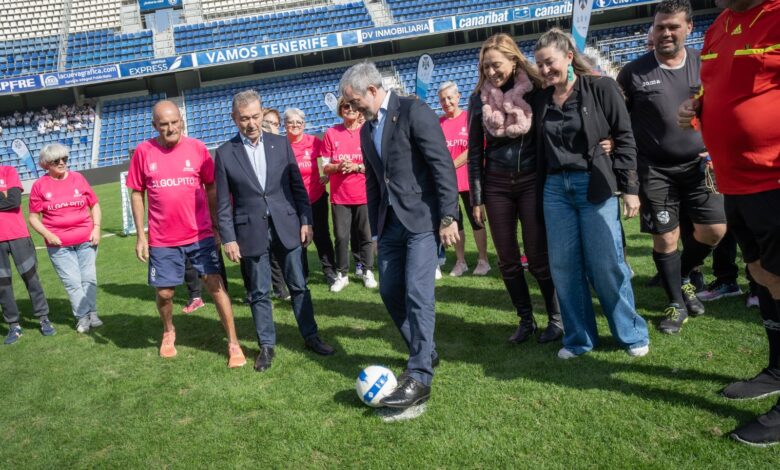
28, 56
79, 138
23, 19
208, 108
106, 46
124, 123
215, 9
410, 10
270, 27
91, 15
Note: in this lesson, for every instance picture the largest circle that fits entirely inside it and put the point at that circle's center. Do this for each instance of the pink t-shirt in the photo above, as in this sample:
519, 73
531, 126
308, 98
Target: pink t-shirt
457, 134
342, 145
307, 151
12, 224
173, 180
64, 205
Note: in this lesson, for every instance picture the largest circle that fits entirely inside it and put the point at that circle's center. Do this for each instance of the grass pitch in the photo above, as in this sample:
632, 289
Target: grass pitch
107, 400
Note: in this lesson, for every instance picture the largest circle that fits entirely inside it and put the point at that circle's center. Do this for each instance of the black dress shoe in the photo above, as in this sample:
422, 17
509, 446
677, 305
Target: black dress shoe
264, 358
554, 330
408, 393
525, 330
318, 346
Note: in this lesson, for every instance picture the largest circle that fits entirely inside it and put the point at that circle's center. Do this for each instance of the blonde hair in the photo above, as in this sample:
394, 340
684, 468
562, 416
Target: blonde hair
504, 44
563, 42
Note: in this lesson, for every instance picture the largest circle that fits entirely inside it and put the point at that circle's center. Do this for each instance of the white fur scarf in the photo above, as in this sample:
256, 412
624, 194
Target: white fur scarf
507, 114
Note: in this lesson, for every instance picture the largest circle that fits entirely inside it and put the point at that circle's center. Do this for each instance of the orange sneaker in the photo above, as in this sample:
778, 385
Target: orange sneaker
235, 356
167, 349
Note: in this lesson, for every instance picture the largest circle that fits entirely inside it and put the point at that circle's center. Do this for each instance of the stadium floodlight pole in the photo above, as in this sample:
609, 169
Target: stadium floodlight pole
580, 21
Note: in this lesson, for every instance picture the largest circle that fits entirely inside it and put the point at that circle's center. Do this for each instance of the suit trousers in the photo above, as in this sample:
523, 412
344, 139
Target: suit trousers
407, 264
322, 240
258, 270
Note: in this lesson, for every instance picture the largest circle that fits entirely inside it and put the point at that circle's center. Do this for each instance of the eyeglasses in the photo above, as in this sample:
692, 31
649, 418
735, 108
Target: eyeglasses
346, 106
58, 161
293, 123
271, 123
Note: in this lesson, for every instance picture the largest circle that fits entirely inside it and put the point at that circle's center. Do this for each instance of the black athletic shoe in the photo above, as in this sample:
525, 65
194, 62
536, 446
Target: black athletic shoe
763, 432
763, 385
675, 317
692, 303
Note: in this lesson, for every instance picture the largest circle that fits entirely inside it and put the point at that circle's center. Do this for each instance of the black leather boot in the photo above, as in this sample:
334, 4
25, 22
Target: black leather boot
554, 330
525, 329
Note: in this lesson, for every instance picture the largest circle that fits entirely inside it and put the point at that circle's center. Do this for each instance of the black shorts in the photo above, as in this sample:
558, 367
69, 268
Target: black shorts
754, 219
466, 198
665, 191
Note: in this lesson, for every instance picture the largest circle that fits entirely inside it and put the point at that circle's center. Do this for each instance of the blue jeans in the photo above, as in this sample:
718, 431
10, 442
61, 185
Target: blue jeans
75, 265
407, 265
585, 244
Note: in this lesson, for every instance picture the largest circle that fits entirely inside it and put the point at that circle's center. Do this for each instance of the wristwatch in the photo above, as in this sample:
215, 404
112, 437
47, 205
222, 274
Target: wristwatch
447, 220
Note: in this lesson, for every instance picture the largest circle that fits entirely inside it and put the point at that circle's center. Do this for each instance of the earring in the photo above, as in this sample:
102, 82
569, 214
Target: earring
570, 73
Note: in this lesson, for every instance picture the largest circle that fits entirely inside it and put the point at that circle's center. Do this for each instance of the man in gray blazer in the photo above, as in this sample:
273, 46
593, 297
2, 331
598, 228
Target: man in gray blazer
262, 205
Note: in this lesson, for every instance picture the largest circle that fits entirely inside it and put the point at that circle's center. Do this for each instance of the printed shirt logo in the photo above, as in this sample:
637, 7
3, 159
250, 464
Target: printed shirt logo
663, 217
47, 196
2, 182
153, 166
737, 30
188, 166
76, 192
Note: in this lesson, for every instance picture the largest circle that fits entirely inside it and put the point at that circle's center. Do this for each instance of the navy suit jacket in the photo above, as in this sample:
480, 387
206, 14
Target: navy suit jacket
415, 167
242, 204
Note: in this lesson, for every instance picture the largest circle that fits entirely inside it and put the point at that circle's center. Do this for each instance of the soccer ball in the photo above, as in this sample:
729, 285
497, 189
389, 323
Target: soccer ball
374, 383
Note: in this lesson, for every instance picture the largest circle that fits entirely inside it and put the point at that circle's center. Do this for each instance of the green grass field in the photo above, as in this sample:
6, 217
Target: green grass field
107, 400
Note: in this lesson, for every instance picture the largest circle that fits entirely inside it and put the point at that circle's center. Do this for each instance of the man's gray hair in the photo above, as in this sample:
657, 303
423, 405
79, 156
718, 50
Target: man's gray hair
52, 153
447, 85
243, 98
290, 113
359, 77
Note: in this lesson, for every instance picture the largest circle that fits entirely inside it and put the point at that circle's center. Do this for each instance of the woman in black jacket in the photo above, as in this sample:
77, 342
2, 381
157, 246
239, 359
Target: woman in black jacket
580, 183
502, 177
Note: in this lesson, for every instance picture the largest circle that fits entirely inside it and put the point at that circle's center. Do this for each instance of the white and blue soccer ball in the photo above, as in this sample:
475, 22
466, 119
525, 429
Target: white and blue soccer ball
374, 383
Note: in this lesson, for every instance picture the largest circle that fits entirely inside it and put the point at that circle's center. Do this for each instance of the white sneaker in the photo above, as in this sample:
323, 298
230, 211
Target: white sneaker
94, 320
437, 276
340, 283
564, 353
482, 268
639, 351
459, 268
368, 279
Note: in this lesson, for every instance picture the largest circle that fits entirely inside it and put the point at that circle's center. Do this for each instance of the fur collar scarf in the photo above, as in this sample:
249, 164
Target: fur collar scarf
507, 114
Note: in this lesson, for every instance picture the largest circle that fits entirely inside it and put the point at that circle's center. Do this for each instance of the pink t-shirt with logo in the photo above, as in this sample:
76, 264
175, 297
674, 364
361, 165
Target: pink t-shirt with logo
173, 180
12, 224
341, 145
64, 205
306, 151
457, 135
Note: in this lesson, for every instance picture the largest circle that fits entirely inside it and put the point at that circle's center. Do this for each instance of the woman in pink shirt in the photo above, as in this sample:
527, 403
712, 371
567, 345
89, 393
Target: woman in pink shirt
307, 149
65, 211
454, 124
343, 163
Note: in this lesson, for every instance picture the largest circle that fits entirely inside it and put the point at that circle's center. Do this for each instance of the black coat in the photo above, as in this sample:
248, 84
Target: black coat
603, 112
415, 166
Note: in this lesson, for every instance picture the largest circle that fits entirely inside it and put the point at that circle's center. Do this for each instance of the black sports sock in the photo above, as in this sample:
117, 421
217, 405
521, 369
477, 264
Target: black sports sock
668, 266
693, 254
770, 314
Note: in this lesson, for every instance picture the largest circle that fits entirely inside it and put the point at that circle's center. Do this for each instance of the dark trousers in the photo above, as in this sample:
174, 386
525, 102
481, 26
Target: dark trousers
509, 198
349, 220
322, 241
23, 252
407, 264
258, 269
277, 278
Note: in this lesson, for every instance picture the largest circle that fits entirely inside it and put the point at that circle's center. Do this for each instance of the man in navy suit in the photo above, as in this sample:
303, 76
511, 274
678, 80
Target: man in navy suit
412, 193
262, 205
